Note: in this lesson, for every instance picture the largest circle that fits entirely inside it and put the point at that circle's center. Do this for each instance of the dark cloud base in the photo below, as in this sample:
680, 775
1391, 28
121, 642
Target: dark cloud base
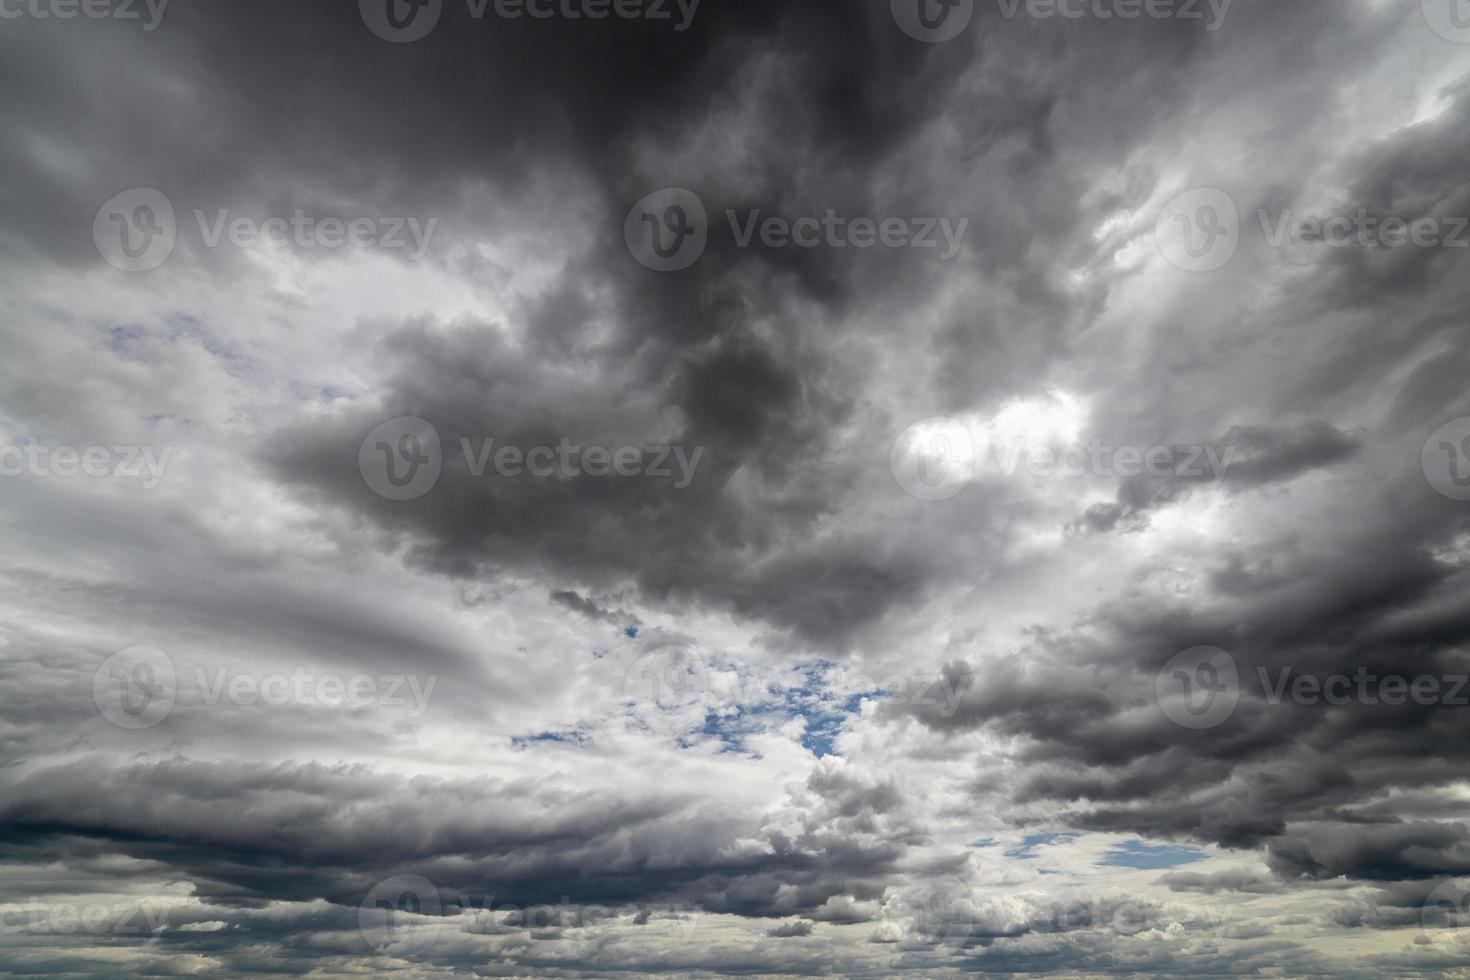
1049, 609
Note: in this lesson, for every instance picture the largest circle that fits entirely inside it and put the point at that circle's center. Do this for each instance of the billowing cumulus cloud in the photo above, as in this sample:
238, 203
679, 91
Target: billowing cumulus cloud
735, 488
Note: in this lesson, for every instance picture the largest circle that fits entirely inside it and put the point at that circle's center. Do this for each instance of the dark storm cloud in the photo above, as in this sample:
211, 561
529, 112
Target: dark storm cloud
1313, 783
754, 404
1249, 457
1102, 745
417, 131
1421, 171
316, 822
743, 400
767, 402
589, 608
1380, 853
1227, 881
790, 929
1376, 598
789, 371
743, 411
249, 835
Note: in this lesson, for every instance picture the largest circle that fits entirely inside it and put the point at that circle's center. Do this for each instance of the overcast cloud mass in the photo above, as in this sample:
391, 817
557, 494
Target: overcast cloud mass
598, 488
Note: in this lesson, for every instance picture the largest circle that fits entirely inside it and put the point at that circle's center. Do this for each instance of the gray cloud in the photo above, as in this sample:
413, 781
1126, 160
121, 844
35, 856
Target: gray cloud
906, 735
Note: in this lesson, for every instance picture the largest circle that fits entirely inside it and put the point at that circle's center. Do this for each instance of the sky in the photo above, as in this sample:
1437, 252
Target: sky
600, 488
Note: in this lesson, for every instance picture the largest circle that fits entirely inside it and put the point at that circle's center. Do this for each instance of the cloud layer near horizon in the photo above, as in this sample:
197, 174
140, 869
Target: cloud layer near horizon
781, 716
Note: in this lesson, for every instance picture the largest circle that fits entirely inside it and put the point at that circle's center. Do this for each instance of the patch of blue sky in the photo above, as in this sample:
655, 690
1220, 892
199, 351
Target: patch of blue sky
580, 739
120, 339
762, 702
730, 729
825, 713
1026, 850
1144, 856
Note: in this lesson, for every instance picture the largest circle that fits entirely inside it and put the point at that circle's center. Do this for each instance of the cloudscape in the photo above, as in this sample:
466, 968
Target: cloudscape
762, 488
